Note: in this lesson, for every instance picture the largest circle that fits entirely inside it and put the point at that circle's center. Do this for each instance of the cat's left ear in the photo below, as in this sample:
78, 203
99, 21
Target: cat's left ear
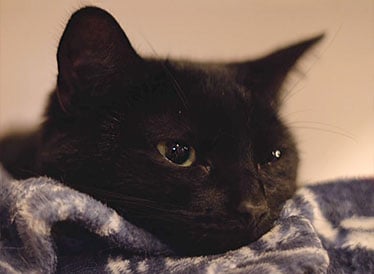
265, 76
94, 54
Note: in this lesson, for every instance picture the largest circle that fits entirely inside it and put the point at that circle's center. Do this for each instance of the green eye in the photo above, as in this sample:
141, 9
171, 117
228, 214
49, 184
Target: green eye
177, 152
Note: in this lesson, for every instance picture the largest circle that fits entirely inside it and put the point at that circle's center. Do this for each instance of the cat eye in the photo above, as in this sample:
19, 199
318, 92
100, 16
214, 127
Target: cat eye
276, 154
177, 152
272, 157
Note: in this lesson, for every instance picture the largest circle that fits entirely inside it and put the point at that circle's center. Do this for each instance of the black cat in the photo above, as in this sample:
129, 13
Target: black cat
193, 152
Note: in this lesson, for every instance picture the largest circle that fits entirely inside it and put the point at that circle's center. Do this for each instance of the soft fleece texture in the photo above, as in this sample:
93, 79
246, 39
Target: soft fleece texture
325, 228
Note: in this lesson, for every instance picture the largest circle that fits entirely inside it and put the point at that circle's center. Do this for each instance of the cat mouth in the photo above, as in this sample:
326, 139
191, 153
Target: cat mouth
207, 238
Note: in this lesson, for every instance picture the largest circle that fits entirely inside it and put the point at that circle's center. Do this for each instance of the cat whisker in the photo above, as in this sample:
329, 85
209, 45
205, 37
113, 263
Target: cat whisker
133, 203
290, 93
286, 115
30, 172
322, 124
325, 130
177, 86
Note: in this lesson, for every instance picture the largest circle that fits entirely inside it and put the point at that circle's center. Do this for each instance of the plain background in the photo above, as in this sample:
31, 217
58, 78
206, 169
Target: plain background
329, 100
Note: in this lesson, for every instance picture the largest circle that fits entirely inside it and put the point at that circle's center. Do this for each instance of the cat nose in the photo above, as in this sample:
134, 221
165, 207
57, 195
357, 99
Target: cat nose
256, 212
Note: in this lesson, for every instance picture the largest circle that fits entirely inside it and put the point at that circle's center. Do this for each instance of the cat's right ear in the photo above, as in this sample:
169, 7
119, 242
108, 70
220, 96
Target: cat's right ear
93, 55
265, 76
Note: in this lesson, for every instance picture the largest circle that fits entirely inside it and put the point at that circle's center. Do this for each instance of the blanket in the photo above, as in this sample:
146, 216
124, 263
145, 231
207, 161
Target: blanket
324, 228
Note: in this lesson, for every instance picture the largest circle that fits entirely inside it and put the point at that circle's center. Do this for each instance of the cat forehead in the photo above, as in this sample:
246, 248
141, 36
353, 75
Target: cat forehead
210, 84
207, 98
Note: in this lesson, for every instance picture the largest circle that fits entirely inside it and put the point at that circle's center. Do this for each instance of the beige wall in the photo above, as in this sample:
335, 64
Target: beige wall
331, 109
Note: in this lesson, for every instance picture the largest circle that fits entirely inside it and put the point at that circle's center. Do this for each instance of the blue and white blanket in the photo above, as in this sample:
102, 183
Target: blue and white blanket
326, 228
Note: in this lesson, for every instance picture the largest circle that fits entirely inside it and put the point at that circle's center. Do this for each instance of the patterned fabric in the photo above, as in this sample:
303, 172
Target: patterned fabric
326, 228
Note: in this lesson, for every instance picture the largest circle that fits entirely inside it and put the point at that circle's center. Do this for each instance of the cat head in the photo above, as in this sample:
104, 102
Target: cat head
193, 152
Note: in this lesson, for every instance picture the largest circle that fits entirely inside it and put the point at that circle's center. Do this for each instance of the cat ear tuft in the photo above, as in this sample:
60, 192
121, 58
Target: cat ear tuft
266, 75
93, 54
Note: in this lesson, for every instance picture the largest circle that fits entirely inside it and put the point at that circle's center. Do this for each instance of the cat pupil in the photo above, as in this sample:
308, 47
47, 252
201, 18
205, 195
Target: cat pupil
270, 158
177, 153
276, 155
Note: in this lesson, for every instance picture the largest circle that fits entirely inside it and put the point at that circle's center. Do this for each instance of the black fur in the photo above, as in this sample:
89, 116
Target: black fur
111, 108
